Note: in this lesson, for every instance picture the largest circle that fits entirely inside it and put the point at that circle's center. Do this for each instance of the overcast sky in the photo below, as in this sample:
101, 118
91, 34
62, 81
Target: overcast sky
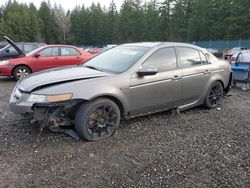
70, 4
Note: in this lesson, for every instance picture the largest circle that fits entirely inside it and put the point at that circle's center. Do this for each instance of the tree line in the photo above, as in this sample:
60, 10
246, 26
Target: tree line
137, 20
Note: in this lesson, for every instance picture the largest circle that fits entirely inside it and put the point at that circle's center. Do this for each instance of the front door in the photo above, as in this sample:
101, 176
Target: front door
48, 58
160, 91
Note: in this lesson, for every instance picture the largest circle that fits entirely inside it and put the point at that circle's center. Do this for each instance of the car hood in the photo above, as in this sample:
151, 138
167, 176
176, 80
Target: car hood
20, 52
58, 76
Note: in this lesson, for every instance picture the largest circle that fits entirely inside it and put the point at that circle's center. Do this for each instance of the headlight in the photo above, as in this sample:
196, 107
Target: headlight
49, 98
4, 62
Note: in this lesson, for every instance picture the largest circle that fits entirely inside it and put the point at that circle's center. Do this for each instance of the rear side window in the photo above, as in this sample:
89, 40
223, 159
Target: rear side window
189, 57
69, 52
164, 59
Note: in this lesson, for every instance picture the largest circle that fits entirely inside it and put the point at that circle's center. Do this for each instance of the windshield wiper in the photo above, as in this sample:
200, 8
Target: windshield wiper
92, 67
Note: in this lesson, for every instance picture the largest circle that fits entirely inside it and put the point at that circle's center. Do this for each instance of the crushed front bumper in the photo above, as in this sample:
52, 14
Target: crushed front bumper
18, 102
21, 108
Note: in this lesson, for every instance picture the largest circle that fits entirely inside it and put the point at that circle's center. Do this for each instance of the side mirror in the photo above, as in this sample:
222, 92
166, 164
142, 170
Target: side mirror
37, 55
7, 51
147, 72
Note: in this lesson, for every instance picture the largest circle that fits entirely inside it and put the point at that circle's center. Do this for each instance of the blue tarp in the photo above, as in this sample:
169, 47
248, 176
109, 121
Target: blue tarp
240, 68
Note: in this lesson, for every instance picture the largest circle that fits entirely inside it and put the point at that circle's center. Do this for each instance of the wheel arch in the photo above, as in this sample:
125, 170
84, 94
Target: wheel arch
221, 83
115, 100
12, 72
210, 82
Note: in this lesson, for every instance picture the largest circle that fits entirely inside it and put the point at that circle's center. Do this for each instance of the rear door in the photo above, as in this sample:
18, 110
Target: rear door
196, 72
160, 91
49, 58
69, 56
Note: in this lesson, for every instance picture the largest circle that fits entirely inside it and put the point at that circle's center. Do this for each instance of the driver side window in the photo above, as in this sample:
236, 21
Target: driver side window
163, 59
48, 52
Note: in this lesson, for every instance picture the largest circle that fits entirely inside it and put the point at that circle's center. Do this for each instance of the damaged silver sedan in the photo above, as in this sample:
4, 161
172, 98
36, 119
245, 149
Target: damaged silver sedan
124, 82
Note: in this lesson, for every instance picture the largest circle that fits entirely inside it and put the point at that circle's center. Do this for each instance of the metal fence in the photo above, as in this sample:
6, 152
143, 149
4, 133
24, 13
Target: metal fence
222, 44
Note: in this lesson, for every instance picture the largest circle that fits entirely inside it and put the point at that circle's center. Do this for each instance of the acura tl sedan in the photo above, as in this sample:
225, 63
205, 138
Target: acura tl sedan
127, 81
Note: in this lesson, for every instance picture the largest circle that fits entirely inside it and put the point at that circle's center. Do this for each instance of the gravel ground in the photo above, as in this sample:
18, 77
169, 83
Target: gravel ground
199, 148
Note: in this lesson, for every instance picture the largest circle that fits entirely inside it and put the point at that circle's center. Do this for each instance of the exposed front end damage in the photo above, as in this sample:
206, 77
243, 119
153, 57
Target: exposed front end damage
57, 116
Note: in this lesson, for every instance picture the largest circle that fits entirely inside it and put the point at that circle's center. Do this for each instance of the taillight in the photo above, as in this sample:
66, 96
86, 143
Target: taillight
228, 69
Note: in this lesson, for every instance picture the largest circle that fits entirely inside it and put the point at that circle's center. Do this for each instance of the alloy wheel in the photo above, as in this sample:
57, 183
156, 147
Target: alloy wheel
102, 121
22, 73
215, 95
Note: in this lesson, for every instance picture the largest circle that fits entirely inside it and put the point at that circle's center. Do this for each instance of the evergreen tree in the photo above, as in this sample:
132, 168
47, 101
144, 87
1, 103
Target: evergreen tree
137, 20
131, 21
201, 20
151, 21
79, 26
49, 27
63, 22
112, 24
165, 11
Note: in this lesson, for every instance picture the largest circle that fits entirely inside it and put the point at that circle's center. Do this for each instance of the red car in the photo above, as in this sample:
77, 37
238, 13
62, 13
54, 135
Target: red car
233, 51
46, 57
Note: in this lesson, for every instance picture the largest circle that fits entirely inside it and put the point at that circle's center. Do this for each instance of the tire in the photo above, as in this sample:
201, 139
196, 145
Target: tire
21, 71
97, 119
214, 95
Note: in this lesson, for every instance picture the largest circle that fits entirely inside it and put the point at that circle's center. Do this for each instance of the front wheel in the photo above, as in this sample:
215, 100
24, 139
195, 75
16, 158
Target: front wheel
98, 119
214, 95
20, 72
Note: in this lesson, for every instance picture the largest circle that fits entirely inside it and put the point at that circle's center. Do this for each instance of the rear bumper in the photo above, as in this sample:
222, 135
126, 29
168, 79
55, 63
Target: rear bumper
5, 70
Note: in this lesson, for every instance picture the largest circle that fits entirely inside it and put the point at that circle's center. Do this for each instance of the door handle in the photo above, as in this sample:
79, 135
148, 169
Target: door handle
176, 77
207, 72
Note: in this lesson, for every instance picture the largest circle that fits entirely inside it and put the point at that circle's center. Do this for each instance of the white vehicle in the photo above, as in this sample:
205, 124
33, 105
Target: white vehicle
243, 56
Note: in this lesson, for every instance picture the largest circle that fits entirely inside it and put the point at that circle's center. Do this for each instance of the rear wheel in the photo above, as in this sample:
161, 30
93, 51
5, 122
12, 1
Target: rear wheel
214, 95
98, 119
20, 72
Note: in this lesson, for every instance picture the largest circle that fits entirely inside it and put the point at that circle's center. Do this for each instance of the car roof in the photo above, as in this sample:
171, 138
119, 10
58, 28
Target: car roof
159, 44
238, 48
59, 45
52, 45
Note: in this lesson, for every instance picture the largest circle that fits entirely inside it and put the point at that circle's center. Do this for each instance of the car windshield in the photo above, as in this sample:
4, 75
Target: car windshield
116, 60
